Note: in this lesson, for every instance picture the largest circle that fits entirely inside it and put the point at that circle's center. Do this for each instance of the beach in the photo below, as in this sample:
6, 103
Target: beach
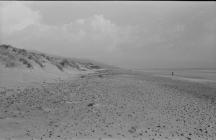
110, 106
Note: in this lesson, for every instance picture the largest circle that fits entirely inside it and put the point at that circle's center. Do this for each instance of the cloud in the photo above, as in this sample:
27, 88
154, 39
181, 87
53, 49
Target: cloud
164, 41
96, 25
82, 37
16, 16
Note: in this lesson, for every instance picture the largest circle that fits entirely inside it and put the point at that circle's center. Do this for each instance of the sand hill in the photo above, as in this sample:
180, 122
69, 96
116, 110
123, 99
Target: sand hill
23, 66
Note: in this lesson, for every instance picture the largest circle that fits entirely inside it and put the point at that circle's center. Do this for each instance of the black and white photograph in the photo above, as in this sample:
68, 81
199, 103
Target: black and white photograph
107, 70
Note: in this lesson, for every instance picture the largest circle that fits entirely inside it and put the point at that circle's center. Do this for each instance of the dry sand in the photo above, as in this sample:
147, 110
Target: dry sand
110, 107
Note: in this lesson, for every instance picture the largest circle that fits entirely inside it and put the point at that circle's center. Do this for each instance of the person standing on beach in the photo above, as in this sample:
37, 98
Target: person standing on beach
172, 73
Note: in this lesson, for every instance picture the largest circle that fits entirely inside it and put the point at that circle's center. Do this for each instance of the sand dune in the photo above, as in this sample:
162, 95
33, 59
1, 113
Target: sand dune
20, 67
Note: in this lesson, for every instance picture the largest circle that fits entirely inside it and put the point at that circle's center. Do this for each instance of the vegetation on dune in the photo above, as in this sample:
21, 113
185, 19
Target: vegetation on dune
25, 62
10, 64
13, 57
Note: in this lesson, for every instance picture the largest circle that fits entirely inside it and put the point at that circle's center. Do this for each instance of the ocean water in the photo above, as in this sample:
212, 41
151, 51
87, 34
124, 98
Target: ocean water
192, 73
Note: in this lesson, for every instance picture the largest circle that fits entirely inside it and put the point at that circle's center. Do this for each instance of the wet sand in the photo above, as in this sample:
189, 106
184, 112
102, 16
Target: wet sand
108, 106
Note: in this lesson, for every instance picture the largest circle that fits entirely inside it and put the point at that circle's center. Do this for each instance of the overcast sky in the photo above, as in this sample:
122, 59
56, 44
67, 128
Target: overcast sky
128, 34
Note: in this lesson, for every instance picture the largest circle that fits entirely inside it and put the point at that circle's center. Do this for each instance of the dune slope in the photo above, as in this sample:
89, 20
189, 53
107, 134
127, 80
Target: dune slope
20, 66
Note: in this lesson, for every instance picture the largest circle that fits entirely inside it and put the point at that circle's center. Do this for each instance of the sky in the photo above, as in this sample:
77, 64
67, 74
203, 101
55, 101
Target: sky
139, 35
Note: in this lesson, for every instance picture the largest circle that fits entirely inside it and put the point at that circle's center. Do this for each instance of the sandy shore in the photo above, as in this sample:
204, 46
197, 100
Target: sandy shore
110, 107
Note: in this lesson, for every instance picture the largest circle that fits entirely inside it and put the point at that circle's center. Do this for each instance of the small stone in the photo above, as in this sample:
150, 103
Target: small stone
91, 104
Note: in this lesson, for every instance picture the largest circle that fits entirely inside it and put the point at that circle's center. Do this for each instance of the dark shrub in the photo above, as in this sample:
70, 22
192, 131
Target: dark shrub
25, 62
10, 64
64, 62
22, 51
95, 67
5, 46
59, 67
29, 57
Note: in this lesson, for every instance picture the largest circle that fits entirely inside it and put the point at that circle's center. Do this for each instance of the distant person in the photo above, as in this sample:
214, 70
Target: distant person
172, 73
